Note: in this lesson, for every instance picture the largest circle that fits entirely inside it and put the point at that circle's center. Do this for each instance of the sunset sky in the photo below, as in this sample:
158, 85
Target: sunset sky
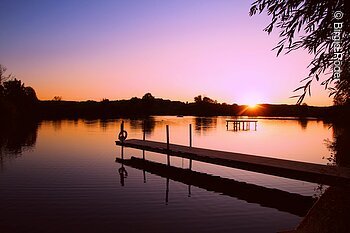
175, 49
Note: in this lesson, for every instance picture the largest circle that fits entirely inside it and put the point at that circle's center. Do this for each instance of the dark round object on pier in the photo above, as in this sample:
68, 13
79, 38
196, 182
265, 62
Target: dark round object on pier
122, 135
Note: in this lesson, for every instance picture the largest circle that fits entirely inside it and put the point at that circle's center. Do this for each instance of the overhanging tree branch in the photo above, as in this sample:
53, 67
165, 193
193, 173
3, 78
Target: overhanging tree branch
309, 25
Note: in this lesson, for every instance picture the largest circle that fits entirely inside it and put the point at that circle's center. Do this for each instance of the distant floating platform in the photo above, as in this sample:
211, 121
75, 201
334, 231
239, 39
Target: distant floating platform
315, 173
245, 124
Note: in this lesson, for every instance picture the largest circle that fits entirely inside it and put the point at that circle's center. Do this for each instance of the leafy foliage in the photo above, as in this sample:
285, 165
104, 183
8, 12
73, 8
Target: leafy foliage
57, 98
204, 100
15, 91
3, 77
309, 25
148, 97
198, 99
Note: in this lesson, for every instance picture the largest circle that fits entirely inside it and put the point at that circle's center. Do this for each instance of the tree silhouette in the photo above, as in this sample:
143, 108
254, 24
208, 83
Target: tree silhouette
14, 91
4, 78
148, 97
57, 98
314, 25
209, 100
30, 94
198, 99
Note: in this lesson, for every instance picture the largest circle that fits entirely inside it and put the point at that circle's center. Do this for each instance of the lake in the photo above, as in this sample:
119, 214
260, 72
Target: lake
63, 176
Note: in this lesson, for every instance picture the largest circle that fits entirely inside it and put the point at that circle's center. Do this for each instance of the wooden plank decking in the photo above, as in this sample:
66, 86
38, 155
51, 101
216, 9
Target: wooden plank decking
315, 173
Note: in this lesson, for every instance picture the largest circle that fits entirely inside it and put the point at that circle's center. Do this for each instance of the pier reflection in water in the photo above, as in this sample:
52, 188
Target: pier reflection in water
273, 198
60, 176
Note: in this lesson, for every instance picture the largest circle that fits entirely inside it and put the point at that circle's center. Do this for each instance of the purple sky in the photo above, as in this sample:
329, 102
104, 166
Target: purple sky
173, 49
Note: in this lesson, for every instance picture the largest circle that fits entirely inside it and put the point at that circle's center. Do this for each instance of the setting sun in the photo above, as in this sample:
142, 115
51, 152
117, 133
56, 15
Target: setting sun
252, 100
252, 105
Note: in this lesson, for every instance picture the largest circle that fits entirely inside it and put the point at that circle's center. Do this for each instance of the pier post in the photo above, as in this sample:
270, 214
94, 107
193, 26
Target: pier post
167, 137
143, 137
167, 191
190, 126
122, 153
168, 159
167, 144
143, 130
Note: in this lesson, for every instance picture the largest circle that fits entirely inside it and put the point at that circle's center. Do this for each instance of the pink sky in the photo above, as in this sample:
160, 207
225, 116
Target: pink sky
174, 50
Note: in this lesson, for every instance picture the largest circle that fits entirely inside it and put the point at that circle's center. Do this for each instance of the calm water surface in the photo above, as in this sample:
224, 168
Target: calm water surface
62, 176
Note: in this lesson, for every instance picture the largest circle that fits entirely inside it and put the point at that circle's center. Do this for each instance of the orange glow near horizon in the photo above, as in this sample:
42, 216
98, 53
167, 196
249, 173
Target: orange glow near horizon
252, 106
252, 99
119, 50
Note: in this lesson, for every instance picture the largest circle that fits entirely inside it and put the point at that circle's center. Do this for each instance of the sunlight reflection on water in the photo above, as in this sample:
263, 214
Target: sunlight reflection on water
68, 181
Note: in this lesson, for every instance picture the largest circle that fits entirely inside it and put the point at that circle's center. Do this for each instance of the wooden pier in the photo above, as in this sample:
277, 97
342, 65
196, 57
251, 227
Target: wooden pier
245, 124
316, 173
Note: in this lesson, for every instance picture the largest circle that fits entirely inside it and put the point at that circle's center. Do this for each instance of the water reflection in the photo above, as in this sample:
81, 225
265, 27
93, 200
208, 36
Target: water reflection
146, 124
122, 171
57, 125
302, 121
16, 137
203, 124
104, 123
91, 123
273, 198
71, 178
340, 145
